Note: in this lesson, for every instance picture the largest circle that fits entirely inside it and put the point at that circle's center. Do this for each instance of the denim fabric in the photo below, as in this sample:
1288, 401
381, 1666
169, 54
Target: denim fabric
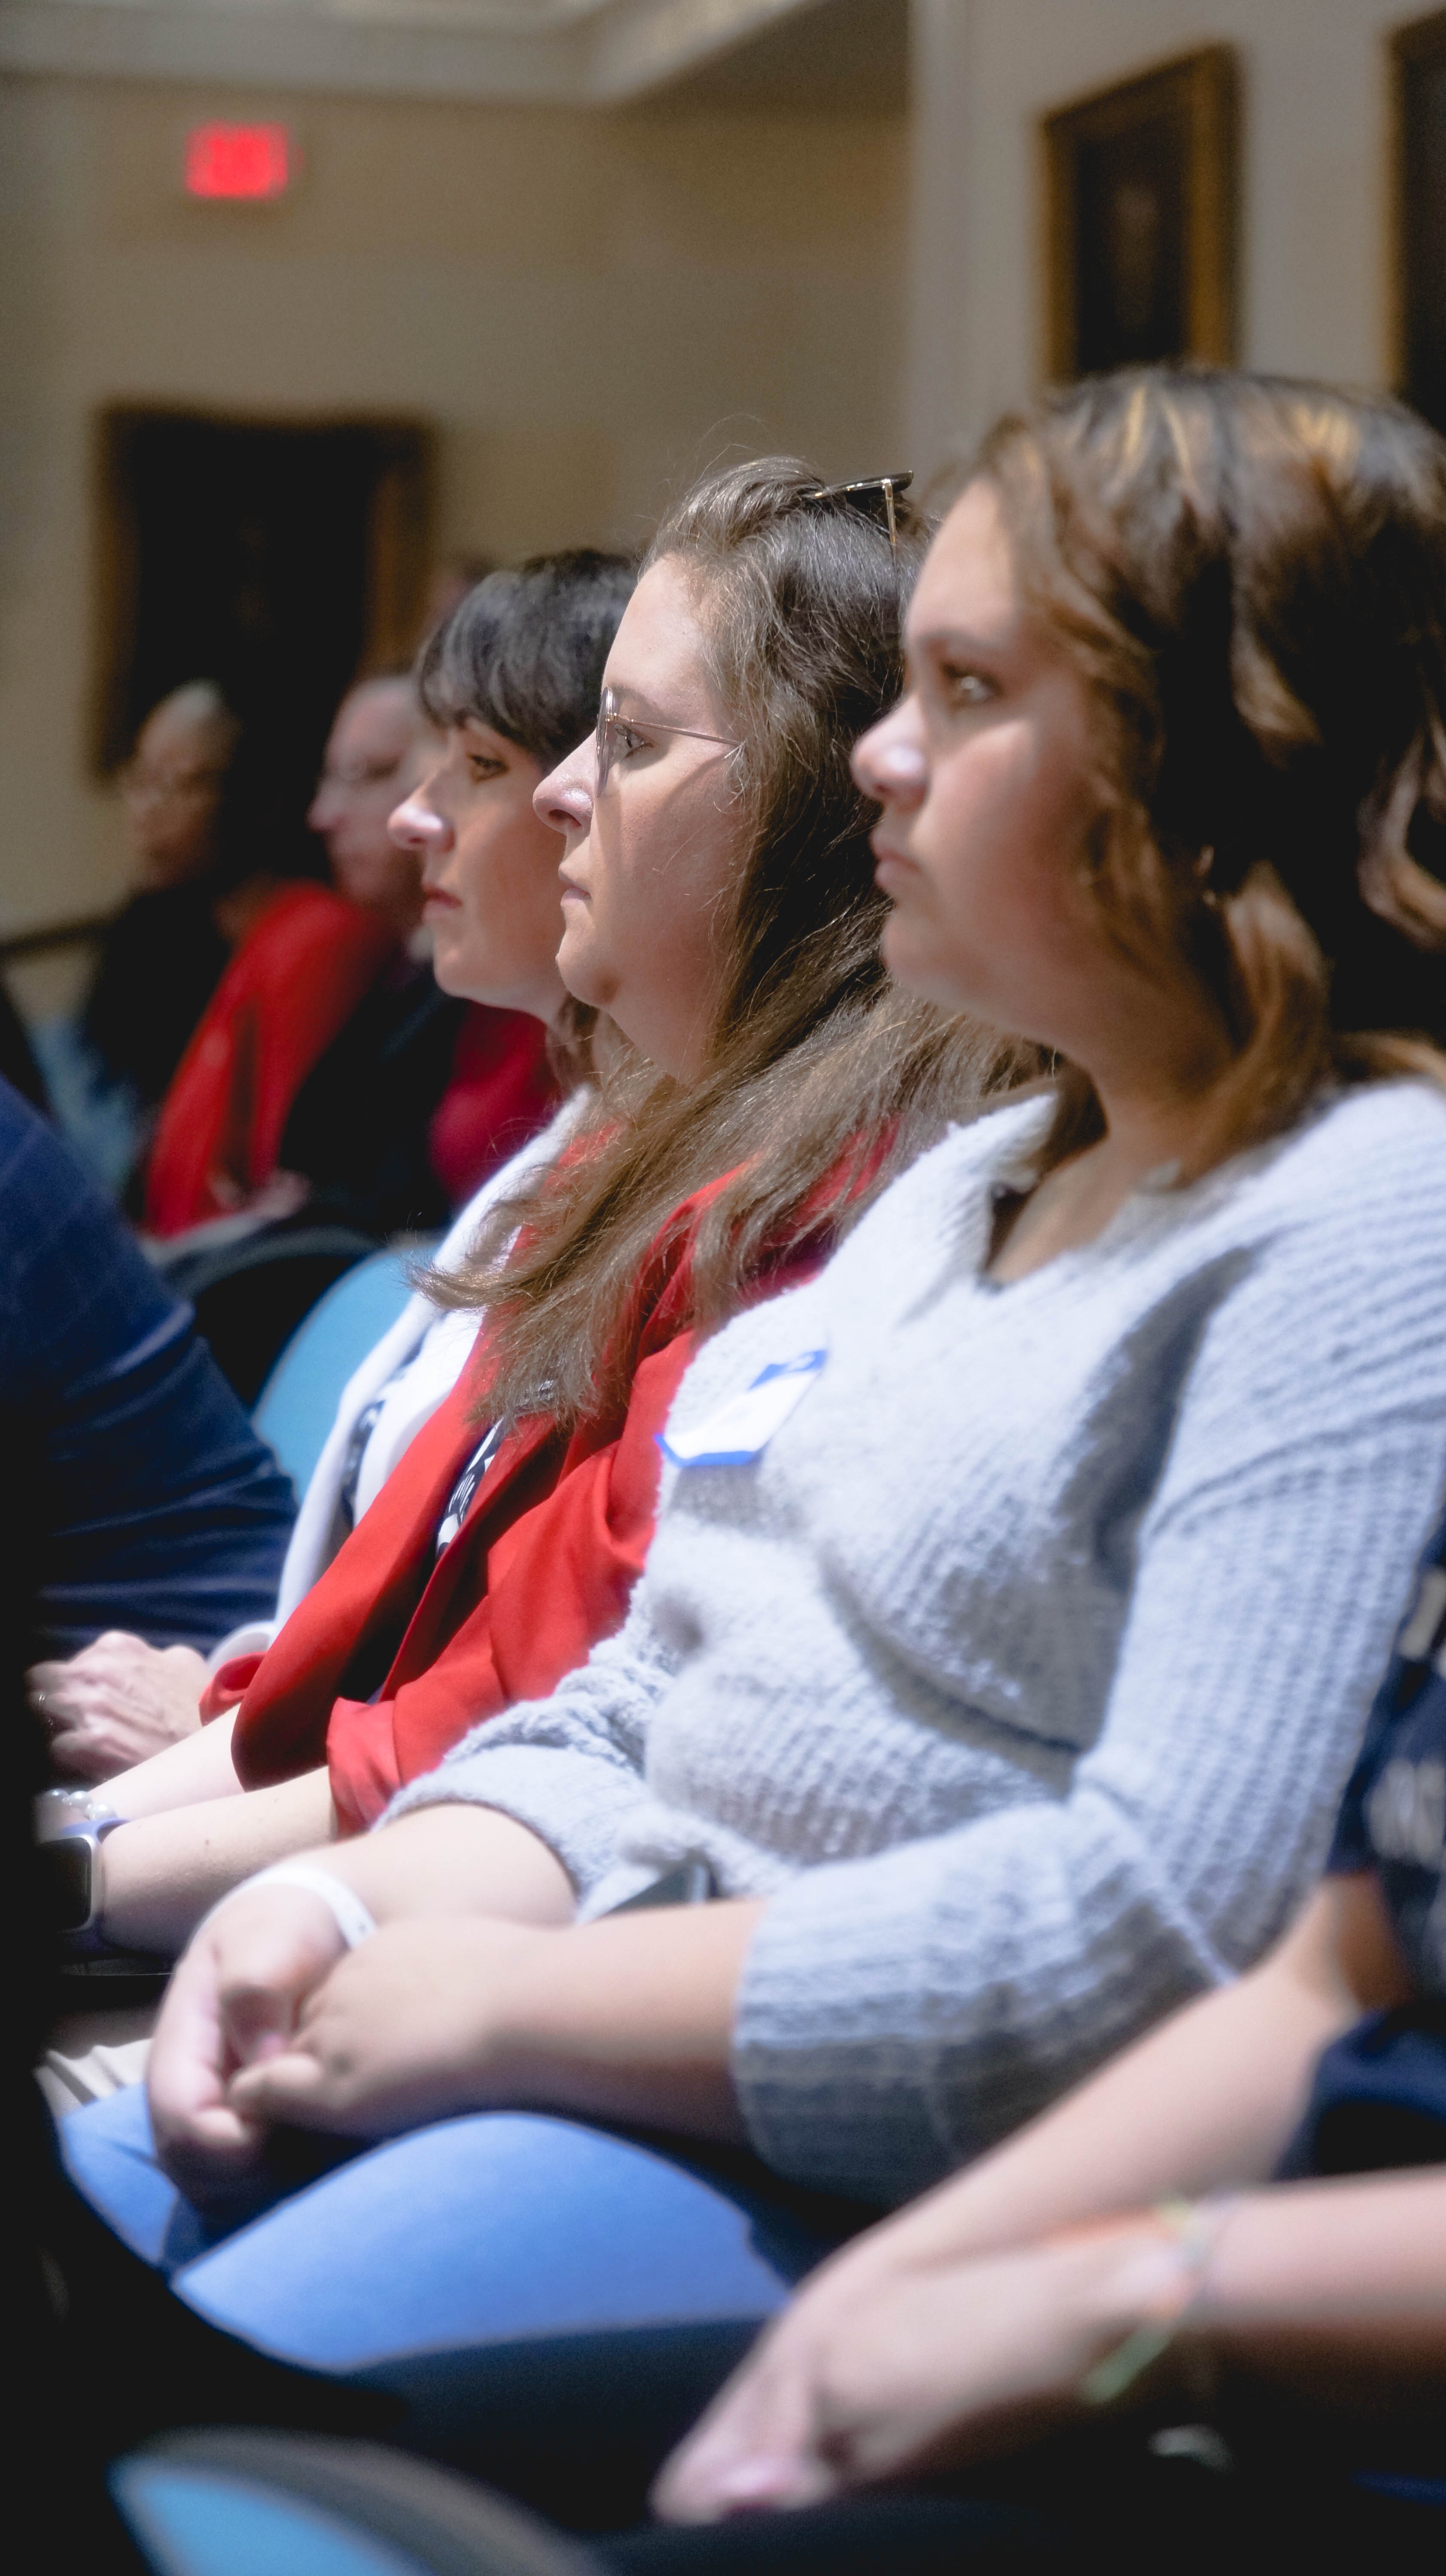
493, 2228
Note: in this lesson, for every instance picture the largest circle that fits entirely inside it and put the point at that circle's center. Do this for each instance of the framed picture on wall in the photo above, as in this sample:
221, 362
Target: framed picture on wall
1419, 263
278, 557
1141, 229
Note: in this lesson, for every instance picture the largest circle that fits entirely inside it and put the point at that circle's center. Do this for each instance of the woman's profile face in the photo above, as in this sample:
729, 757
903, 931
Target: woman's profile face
649, 866
985, 771
489, 872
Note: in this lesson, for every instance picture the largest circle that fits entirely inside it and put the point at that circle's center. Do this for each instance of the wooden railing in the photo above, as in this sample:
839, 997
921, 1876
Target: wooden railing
56, 934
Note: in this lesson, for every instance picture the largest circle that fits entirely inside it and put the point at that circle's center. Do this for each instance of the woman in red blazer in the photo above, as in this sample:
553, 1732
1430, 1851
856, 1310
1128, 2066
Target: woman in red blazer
720, 906
302, 958
306, 961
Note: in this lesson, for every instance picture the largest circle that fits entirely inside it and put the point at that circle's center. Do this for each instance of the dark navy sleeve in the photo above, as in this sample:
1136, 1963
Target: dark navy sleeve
1413, 1671
144, 1498
1378, 2097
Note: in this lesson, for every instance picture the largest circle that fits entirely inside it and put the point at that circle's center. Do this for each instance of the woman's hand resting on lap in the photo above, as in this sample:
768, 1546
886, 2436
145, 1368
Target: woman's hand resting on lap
117, 1702
270, 2020
423, 2020
887, 2364
232, 2003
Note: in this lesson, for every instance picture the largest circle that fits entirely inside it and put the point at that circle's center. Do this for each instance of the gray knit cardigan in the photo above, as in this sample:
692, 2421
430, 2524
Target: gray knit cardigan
1023, 1668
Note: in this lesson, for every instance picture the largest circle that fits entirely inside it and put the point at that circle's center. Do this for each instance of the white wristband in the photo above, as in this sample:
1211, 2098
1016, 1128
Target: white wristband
354, 1921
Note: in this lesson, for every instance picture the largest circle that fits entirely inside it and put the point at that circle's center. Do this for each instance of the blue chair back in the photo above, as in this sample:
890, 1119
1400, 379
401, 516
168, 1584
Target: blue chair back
297, 1405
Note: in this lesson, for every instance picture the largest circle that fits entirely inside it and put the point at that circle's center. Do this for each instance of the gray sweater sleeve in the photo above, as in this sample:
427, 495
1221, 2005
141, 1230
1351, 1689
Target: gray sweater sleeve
899, 2013
571, 1766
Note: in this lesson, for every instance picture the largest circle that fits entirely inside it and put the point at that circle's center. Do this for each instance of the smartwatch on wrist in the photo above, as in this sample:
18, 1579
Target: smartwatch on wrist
70, 1884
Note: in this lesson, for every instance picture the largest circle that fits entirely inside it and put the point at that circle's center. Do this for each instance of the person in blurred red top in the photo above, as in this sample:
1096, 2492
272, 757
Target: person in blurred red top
720, 906
330, 1073
303, 958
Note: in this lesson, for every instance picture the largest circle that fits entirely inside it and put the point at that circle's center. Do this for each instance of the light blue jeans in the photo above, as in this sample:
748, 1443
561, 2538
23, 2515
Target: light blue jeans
502, 2265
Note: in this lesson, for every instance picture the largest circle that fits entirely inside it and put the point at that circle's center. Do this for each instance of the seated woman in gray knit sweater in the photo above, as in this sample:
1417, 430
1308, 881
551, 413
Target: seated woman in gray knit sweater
1021, 1582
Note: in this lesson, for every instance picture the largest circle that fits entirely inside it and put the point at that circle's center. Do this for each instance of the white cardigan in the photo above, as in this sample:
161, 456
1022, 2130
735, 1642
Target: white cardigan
412, 1368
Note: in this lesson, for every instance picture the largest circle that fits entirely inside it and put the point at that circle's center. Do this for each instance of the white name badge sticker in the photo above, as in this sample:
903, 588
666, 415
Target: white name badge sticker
743, 1426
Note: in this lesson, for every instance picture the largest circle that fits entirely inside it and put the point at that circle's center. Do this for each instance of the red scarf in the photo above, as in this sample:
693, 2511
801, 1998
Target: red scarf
541, 1569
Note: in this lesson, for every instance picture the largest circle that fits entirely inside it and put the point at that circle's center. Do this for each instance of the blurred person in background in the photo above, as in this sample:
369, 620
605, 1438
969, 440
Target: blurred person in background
424, 1094
375, 751
302, 958
164, 953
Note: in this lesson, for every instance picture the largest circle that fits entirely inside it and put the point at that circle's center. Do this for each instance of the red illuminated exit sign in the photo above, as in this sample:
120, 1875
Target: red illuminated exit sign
245, 164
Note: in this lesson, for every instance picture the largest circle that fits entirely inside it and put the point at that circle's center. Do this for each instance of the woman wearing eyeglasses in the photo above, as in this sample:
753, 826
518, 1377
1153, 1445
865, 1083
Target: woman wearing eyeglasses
1020, 1583
759, 1080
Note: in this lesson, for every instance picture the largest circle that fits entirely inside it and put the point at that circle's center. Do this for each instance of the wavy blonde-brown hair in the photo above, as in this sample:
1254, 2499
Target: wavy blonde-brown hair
816, 1069
1249, 574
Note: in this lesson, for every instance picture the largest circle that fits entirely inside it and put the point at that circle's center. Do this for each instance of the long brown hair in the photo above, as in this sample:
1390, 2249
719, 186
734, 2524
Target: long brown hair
815, 1069
1249, 574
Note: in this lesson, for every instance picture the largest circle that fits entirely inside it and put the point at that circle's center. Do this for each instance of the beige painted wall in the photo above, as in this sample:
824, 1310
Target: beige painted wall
588, 305
1314, 216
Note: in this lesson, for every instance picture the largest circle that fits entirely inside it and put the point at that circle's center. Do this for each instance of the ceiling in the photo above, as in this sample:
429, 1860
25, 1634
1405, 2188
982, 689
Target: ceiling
837, 54
848, 55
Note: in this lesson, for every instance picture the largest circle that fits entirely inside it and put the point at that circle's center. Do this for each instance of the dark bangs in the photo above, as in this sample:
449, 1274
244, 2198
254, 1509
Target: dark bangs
524, 651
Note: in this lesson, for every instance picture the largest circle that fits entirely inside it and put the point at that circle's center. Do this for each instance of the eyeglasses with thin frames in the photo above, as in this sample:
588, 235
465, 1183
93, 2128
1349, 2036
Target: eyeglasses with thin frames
860, 496
610, 724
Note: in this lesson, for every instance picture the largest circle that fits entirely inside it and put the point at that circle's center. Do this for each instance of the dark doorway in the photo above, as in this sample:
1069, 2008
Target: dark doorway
277, 558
